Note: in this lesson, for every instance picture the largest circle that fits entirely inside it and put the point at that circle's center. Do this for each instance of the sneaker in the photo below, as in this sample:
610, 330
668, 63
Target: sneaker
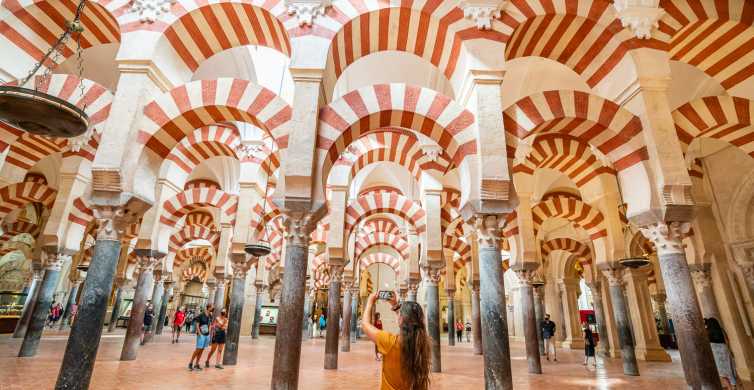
191, 367
206, 364
219, 366
197, 367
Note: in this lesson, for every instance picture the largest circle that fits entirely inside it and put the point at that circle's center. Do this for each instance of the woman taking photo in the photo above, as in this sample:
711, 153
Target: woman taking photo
406, 356
219, 325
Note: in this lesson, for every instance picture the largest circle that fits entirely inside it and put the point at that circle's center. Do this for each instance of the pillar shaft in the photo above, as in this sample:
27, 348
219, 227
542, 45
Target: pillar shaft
451, 320
31, 300
66, 318
136, 321
219, 301
333, 318
41, 308
662, 312
354, 314
258, 311
83, 342
116, 310
603, 348
497, 363
622, 321
433, 323
702, 278
476, 321
163, 311
235, 313
539, 315
346, 343
287, 357
158, 290
530, 329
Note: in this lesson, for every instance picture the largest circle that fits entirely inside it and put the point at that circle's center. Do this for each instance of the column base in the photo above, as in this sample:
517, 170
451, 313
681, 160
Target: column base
652, 354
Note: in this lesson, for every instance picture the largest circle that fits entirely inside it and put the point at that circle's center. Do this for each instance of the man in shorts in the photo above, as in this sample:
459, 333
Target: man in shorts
203, 322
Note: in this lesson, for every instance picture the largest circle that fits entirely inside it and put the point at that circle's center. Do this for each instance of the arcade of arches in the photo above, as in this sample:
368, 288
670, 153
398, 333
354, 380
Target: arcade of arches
493, 160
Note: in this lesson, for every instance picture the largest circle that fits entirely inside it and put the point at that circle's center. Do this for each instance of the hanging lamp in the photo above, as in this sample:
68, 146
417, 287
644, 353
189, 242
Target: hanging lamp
37, 112
262, 246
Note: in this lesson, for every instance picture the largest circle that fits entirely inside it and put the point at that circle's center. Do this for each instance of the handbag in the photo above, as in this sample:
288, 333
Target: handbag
204, 329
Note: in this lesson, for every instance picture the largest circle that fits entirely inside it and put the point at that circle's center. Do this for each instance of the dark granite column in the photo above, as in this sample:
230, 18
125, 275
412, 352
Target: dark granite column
241, 263
539, 314
497, 357
354, 312
211, 289
119, 283
345, 345
525, 276
147, 261
168, 288
476, 319
693, 343
31, 300
287, 357
53, 264
66, 318
333, 317
603, 347
451, 318
614, 276
156, 301
261, 291
83, 342
431, 279
219, 301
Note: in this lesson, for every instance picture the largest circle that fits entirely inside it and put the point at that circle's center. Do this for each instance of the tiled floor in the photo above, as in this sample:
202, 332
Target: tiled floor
162, 365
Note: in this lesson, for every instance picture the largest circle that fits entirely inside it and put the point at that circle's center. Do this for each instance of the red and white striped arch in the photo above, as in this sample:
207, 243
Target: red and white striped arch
20, 194
33, 26
564, 154
199, 30
200, 217
381, 224
578, 249
191, 233
263, 218
15, 228
582, 35
372, 240
715, 36
175, 114
319, 235
394, 106
392, 145
195, 271
201, 254
380, 258
459, 247
81, 213
432, 30
385, 202
571, 209
725, 118
203, 144
614, 131
187, 201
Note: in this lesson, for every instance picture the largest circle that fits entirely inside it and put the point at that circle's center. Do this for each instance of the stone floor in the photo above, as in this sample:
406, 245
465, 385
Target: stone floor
162, 365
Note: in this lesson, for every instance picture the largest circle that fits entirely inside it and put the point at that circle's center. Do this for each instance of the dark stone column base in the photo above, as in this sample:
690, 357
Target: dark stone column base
333, 325
235, 313
39, 316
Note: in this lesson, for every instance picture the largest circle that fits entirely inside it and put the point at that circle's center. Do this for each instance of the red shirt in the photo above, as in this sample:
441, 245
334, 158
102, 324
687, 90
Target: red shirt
179, 318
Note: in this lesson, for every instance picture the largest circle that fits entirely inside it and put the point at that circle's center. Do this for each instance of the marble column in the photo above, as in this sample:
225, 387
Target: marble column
476, 319
702, 277
119, 284
525, 276
354, 313
83, 341
451, 318
241, 263
497, 357
31, 300
53, 264
431, 279
693, 343
287, 356
306, 325
211, 289
219, 302
662, 312
147, 260
614, 275
603, 347
261, 292
163, 311
539, 314
66, 318
345, 345
157, 291
333, 317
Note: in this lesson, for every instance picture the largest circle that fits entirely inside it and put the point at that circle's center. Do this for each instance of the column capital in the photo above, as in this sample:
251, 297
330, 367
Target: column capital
114, 219
666, 236
240, 265
488, 230
659, 298
298, 227
482, 12
450, 294
306, 10
614, 274
55, 258
639, 16
525, 275
431, 275
336, 272
701, 275
147, 259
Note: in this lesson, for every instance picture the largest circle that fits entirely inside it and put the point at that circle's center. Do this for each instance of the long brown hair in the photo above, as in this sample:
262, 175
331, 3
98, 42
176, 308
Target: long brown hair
415, 347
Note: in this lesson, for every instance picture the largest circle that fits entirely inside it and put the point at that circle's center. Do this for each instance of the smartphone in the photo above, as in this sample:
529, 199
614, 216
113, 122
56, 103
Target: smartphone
385, 295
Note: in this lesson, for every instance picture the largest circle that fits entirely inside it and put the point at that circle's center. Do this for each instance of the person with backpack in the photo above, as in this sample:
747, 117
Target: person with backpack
148, 317
459, 331
201, 324
322, 324
468, 331
548, 331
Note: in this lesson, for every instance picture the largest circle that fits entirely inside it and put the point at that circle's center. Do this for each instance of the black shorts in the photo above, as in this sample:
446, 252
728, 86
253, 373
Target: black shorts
218, 337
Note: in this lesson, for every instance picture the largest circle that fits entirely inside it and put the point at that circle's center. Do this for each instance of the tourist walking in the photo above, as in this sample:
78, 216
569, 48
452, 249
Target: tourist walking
202, 323
459, 331
178, 319
322, 324
219, 325
468, 331
548, 331
723, 357
589, 344
54, 315
407, 354
189, 320
147, 328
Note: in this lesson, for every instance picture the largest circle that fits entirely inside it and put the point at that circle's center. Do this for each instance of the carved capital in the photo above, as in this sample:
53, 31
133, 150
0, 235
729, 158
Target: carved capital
336, 272
149, 11
147, 259
488, 230
659, 298
525, 276
640, 16
431, 275
240, 269
298, 227
702, 277
432, 151
113, 220
56, 261
482, 12
666, 236
614, 275
307, 10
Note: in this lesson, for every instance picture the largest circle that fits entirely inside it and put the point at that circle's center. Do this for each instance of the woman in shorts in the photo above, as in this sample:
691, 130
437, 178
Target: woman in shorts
219, 325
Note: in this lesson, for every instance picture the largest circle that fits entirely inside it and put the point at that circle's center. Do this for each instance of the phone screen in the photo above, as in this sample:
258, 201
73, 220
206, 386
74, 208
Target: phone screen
386, 295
